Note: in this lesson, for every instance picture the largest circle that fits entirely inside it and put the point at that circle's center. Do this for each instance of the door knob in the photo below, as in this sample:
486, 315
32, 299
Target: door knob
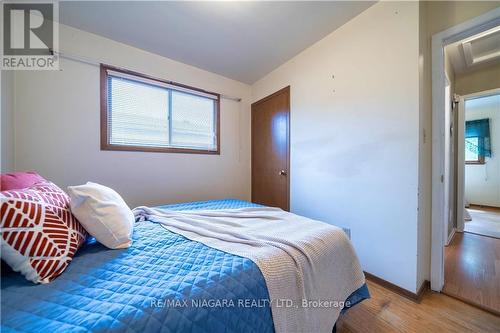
282, 173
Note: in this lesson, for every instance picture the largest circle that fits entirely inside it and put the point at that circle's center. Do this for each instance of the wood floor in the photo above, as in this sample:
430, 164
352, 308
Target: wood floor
389, 312
485, 221
472, 270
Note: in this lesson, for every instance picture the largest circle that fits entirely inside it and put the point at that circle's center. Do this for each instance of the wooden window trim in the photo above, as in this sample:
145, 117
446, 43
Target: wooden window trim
479, 161
105, 145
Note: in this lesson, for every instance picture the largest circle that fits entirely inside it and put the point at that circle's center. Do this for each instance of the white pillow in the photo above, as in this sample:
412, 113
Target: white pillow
103, 213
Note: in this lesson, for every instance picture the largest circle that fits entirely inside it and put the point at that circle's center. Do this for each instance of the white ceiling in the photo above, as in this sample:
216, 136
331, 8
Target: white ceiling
240, 40
479, 50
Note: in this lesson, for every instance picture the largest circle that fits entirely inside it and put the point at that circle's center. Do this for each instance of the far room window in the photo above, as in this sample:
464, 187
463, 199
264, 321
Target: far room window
471, 150
140, 113
477, 141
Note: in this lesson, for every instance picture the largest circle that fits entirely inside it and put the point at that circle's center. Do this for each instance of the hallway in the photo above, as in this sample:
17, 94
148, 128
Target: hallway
472, 273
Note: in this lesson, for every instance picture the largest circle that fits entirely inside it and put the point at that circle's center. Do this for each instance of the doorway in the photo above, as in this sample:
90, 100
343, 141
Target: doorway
467, 34
472, 253
271, 150
482, 163
471, 168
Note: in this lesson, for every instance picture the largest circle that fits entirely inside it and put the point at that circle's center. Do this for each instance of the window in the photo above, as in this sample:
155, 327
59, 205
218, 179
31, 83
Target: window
139, 113
477, 141
472, 151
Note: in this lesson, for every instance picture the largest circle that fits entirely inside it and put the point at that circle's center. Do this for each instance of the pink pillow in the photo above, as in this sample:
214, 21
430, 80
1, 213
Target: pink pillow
19, 180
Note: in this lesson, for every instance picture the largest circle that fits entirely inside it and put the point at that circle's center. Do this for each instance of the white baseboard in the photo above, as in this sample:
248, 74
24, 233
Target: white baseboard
450, 237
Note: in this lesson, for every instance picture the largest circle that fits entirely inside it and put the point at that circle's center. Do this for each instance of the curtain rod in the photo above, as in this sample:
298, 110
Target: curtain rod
98, 64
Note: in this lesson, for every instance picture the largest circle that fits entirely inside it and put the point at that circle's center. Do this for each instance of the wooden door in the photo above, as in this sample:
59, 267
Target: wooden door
271, 150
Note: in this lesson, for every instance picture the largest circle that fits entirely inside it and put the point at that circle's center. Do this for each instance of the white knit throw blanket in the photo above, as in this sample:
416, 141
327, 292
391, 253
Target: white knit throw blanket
308, 262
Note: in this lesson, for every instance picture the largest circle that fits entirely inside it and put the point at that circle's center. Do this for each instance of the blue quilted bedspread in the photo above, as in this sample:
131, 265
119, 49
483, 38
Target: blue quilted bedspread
162, 283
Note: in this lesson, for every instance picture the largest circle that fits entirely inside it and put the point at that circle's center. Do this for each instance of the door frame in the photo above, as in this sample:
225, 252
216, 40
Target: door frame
448, 160
464, 30
461, 151
285, 90
460, 164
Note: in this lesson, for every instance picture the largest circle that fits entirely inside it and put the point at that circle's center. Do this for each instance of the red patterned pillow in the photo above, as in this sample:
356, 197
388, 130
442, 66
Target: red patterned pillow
39, 235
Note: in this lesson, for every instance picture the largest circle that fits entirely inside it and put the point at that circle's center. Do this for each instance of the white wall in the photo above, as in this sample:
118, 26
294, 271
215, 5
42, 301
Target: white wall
424, 158
354, 138
7, 122
57, 129
482, 182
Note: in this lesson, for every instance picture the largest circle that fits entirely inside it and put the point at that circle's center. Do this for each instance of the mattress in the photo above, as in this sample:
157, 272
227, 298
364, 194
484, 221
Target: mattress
162, 283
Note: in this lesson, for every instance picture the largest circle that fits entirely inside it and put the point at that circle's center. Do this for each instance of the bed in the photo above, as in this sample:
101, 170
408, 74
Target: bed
162, 283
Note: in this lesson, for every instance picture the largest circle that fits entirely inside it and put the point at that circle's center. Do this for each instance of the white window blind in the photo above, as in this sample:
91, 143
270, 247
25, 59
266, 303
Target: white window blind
148, 113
